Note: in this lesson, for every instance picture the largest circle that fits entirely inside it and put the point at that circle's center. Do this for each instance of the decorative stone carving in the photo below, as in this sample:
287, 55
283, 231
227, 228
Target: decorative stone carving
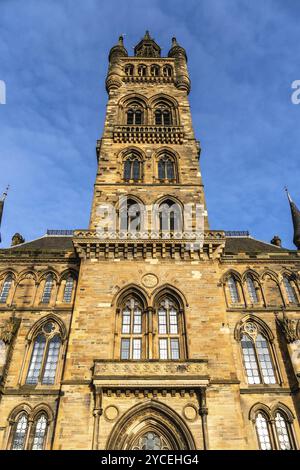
190, 412
290, 328
149, 280
9, 330
111, 413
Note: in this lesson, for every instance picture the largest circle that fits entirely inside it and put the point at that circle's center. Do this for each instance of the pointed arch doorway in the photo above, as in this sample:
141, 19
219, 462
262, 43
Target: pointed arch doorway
151, 426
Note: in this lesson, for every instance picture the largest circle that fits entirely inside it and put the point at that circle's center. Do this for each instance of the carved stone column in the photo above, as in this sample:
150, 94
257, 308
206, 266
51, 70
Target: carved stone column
97, 413
203, 412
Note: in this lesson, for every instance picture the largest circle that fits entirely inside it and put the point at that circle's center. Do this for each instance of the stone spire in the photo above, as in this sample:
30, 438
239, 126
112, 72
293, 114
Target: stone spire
2, 206
296, 221
147, 47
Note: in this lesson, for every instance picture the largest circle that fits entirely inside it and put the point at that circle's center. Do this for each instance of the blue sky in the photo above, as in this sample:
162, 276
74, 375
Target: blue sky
243, 57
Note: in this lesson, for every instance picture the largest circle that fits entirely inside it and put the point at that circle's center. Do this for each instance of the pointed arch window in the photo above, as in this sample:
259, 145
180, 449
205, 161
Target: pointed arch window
252, 290
131, 216
274, 430
20, 432
283, 432
40, 431
135, 116
168, 330
45, 354
5, 289
132, 168
131, 330
263, 432
257, 355
170, 217
29, 433
46, 297
233, 290
290, 290
166, 169
68, 291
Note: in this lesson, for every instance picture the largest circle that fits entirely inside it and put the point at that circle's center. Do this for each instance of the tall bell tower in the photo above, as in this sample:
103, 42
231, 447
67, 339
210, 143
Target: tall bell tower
148, 150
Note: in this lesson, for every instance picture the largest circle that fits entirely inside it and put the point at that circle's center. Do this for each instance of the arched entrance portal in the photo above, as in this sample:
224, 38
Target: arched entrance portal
151, 426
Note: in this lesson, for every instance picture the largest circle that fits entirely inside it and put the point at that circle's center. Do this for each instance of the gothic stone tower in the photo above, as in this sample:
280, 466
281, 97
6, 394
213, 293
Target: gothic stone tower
149, 330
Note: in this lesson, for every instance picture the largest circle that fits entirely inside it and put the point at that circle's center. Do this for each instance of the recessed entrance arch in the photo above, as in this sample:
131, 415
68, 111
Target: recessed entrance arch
151, 426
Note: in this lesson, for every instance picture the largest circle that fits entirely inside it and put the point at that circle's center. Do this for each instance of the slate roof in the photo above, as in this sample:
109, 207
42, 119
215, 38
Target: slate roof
235, 245
45, 243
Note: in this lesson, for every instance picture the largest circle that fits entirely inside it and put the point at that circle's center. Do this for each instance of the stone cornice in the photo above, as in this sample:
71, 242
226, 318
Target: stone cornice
145, 245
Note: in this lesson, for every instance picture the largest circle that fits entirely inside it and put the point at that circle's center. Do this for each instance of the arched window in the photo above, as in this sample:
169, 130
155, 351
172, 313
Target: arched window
263, 431
131, 330
47, 289
40, 431
131, 218
290, 290
20, 432
5, 289
273, 429
163, 116
170, 217
169, 327
44, 356
134, 115
154, 71
167, 71
29, 433
252, 290
257, 356
129, 70
132, 168
142, 70
166, 169
233, 290
151, 441
283, 431
68, 291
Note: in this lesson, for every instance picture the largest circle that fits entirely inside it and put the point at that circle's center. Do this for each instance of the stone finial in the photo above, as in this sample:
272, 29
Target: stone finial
296, 220
17, 239
276, 241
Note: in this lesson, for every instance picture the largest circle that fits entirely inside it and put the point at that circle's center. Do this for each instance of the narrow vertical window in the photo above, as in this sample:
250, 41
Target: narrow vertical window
291, 293
40, 433
252, 290
132, 168
263, 432
19, 436
5, 290
51, 361
131, 330
233, 289
163, 349
168, 326
264, 359
282, 432
36, 360
125, 349
68, 289
47, 289
250, 361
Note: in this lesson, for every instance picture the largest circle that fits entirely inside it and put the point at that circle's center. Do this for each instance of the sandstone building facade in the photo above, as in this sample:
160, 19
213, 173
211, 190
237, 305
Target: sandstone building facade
149, 332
